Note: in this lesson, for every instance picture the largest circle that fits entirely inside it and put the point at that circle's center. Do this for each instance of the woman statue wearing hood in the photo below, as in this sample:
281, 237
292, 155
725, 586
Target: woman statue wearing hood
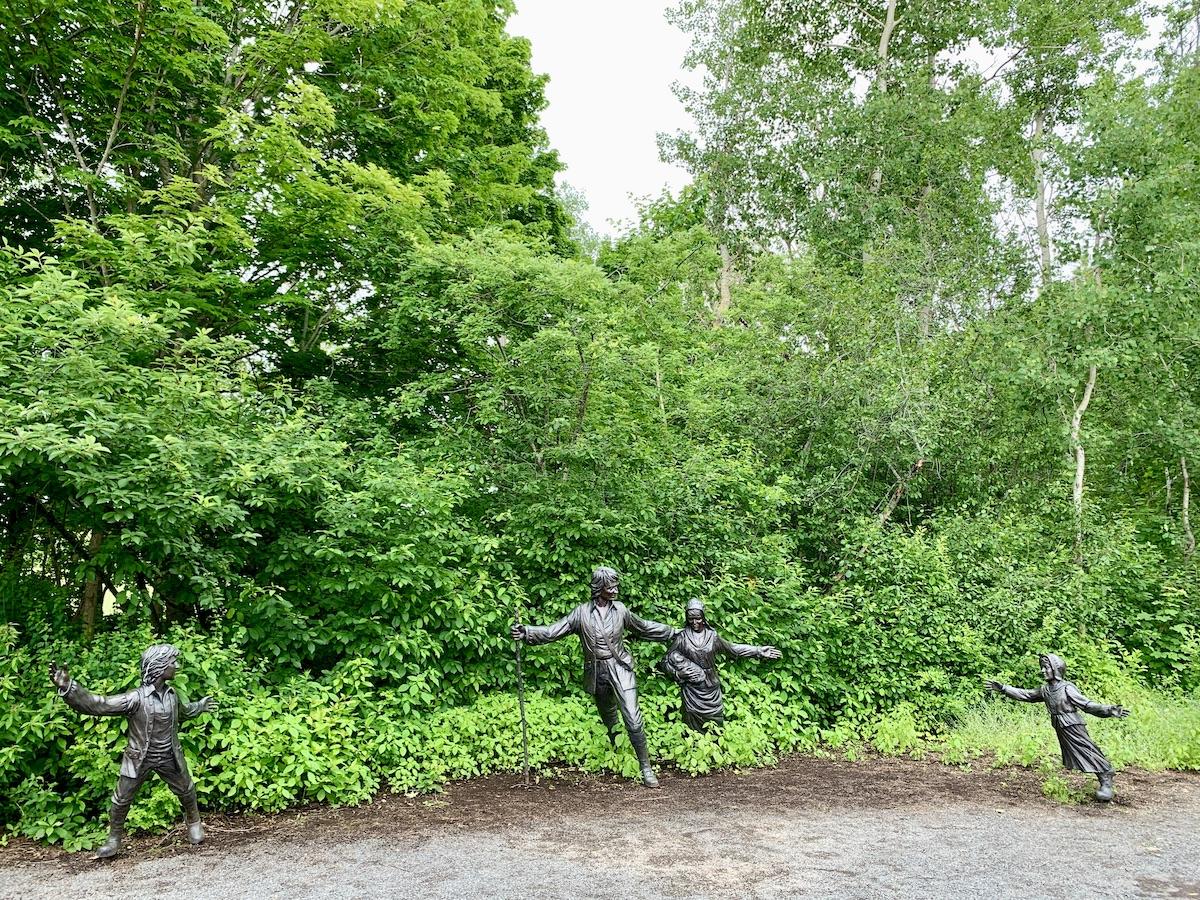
692, 664
1064, 700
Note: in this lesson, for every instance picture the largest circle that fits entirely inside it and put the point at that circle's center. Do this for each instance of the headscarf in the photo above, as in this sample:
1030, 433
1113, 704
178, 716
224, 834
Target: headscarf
1057, 666
155, 661
603, 577
697, 604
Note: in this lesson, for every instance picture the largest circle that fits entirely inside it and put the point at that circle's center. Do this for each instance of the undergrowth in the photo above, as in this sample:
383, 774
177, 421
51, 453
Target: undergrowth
340, 739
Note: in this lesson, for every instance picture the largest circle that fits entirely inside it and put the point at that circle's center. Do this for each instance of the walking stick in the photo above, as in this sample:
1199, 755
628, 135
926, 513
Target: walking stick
521, 703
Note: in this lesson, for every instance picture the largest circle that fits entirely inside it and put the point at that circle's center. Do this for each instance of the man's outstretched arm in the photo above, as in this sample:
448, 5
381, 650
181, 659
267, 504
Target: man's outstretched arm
544, 634
648, 630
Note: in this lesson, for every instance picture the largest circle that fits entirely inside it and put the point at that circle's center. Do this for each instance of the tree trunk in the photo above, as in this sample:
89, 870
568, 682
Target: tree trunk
93, 591
1080, 462
1037, 154
898, 491
881, 83
1189, 539
725, 295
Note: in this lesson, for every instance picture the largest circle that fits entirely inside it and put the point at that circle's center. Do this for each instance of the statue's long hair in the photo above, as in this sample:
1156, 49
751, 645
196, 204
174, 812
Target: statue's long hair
603, 577
155, 661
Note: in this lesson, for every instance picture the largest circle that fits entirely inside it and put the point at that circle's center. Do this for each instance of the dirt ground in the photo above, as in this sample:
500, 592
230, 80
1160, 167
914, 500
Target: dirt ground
877, 827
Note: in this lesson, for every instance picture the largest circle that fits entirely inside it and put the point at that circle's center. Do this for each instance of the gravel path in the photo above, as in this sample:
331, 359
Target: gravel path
798, 831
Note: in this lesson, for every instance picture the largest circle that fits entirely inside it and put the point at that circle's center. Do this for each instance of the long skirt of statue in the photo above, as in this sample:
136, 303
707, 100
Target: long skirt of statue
1079, 751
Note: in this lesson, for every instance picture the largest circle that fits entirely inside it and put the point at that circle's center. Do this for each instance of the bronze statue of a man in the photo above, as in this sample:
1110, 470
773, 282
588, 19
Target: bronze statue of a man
692, 664
1064, 700
153, 712
607, 663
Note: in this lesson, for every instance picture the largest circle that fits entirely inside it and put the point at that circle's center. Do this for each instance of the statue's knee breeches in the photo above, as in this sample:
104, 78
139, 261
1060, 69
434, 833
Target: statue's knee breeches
628, 704
180, 783
126, 790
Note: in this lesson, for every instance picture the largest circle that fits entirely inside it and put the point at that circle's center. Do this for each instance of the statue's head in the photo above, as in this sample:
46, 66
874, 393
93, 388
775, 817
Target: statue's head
694, 614
604, 584
1053, 666
159, 662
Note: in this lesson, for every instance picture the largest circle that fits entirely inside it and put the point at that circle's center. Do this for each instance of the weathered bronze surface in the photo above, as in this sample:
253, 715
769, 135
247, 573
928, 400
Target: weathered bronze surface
692, 664
1065, 701
608, 676
153, 712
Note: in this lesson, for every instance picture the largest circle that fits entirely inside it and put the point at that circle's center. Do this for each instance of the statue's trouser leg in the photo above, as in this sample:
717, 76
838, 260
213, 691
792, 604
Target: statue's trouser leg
626, 692
606, 703
181, 786
122, 798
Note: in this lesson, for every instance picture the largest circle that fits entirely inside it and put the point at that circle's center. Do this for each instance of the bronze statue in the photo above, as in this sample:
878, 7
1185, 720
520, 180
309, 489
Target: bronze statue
607, 663
1064, 700
692, 664
153, 713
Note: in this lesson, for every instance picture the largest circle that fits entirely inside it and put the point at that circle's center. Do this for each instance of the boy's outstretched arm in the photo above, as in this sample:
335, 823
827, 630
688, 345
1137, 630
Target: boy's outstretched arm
85, 701
203, 705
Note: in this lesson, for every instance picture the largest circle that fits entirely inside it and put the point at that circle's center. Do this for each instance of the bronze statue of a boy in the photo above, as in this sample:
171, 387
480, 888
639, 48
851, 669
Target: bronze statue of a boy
153, 713
1064, 700
692, 664
607, 663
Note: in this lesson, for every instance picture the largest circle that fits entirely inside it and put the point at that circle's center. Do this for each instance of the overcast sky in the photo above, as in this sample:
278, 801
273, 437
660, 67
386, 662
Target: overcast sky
611, 66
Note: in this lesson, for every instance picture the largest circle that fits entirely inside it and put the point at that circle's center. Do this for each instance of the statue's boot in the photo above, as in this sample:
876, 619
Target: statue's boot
116, 832
638, 739
1104, 792
192, 815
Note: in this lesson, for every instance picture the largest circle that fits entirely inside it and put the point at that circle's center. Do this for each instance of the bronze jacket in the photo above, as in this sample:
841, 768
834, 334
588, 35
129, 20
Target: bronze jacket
130, 705
601, 636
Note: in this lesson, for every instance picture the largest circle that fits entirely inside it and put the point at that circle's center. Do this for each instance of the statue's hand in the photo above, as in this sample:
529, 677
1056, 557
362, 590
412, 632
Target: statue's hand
518, 632
691, 672
1118, 712
209, 704
770, 653
60, 676
995, 686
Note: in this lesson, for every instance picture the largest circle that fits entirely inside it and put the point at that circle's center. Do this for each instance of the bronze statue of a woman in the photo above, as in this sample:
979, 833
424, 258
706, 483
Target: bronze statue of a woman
692, 664
1064, 700
153, 713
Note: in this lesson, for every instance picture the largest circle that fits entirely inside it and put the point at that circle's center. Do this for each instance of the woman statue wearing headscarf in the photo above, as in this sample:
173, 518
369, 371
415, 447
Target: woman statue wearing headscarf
1064, 700
692, 664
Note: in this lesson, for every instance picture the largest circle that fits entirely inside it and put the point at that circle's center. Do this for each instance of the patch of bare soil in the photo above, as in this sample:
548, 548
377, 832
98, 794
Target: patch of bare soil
501, 801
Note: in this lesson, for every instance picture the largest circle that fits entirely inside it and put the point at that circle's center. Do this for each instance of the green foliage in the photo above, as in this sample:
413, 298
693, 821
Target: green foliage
1162, 732
299, 367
